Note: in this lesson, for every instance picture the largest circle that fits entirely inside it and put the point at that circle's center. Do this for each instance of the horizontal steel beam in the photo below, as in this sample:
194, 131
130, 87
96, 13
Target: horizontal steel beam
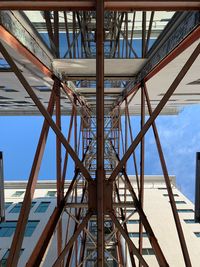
185, 33
127, 5
18, 33
115, 205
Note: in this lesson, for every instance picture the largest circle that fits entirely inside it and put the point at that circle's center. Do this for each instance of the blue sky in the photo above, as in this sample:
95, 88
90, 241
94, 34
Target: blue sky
179, 134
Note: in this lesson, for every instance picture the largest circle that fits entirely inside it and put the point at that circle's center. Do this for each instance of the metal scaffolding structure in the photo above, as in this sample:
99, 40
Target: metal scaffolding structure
101, 147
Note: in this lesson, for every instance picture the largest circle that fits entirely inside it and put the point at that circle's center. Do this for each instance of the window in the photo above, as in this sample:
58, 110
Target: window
133, 221
130, 210
43, 206
189, 221
197, 234
5, 257
180, 202
17, 207
30, 227
7, 228
8, 204
4, 64
147, 251
51, 193
18, 193
175, 195
184, 210
136, 234
162, 188
42, 88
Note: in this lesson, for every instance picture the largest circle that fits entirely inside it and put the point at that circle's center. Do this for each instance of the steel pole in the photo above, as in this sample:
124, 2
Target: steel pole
100, 175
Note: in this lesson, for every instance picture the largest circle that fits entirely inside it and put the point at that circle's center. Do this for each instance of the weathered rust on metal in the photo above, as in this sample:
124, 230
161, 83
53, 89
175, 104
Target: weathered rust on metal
156, 111
89, 5
30, 189
100, 173
169, 188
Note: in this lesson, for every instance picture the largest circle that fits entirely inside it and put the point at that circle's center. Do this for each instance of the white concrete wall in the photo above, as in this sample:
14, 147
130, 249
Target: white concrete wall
156, 207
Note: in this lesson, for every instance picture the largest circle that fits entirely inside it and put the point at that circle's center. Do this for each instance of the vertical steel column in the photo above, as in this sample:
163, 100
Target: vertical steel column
143, 33
59, 184
2, 199
76, 150
100, 175
60, 191
131, 137
141, 191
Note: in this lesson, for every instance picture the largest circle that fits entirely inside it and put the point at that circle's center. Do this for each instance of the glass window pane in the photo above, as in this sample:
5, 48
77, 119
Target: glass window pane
30, 227
180, 202
184, 210
190, 221
175, 195
43, 206
147, 251
132, 221
51, 193
18, 194
5, 257
7, 228
136, 234
8, 204
17, 207
197, 234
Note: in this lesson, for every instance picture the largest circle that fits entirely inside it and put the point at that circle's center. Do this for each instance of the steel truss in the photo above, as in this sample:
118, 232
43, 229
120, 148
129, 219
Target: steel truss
93, 203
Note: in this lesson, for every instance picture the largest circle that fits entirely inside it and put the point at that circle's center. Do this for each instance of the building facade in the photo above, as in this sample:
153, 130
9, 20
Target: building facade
156, 207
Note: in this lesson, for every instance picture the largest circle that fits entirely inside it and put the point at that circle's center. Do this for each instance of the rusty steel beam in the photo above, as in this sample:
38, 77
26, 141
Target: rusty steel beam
156, 112
189, 39
126, 204
82, 250
144, 21
100, 173
15, 44
119, 251
114, 5
72, 240
59, 185
124, 224
45, 113
43, 242
66, 154
77, 215
155, 245
169, 188
60, 188
149, 32
131, 137
141, 191
131, 246
30, 189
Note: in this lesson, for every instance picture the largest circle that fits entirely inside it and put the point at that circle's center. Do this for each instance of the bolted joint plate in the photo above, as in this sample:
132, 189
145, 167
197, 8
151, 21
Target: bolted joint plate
107, 196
